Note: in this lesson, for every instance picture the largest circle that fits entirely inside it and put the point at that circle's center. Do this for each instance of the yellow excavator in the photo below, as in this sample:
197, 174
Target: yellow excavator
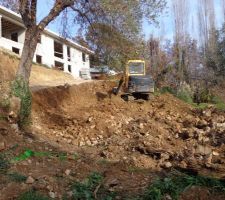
135, 83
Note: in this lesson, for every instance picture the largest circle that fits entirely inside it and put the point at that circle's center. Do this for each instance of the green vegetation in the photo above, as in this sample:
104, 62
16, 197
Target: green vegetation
16, 177
20, 88
173, 185
214, 100
91, 189
5, 103
167, 89
27, 153
176, 183
205, 98
32, 195
4, 164
185, 95
219, 103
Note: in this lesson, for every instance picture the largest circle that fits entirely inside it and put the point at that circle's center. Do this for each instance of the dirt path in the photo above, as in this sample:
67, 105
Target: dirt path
34, 86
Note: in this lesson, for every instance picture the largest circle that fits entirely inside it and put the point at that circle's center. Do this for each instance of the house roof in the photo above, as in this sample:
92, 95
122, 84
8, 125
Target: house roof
16, 18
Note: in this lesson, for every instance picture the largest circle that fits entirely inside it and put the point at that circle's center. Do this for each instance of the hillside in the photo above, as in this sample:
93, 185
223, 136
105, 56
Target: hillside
82, 129
41, 76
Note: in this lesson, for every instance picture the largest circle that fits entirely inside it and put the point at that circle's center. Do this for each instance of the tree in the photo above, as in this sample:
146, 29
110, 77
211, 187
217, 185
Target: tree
125, 15
223, 8
10, 4
121, 13
112, 47
206, 20
215, 57
181, 18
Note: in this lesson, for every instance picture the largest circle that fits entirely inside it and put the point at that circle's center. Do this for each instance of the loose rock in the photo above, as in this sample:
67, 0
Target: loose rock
30, 180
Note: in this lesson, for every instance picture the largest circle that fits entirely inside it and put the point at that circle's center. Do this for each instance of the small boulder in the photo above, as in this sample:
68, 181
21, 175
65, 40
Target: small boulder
15, 104
52, 195
2, 146
203, 150
30, 180
214, 153
167, 165
67, 172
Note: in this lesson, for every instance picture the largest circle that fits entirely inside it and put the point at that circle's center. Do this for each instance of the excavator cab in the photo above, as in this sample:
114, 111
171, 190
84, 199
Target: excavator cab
135, 83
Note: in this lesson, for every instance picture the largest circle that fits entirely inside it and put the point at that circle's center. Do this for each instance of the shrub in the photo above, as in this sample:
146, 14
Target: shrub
205, 96
167, 89
185, 96
219, 103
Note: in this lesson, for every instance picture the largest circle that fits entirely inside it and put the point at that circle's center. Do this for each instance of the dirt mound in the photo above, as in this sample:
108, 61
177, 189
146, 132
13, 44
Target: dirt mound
81, 129
35, 164
162, 133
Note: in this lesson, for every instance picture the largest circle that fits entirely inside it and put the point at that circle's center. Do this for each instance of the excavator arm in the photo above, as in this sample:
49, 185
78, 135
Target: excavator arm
117, 89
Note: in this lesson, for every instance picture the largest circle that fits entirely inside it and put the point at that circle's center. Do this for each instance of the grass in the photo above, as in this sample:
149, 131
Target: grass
173, 185
32, 195
176, 183
28, 153
166, 89
4, 164
16, 177
187, 97
91, 189
218, 102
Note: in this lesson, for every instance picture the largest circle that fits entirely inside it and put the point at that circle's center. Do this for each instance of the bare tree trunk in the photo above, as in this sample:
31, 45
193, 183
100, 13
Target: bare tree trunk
223, 9
181, 21
30, 44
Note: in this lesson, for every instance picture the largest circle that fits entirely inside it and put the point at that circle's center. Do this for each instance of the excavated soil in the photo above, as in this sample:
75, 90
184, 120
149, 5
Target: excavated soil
86, 129
164, 131
130, 143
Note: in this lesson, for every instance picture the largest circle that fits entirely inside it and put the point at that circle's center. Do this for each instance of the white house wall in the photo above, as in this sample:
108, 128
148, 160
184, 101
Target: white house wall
45, 49
9, 44
76, 58
21, 36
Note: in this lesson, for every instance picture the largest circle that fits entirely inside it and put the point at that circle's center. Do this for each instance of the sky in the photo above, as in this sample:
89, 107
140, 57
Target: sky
165, 28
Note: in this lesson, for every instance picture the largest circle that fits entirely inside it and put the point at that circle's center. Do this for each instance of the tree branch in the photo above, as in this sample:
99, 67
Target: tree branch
83, 15
59, 6
33, 11
24, 11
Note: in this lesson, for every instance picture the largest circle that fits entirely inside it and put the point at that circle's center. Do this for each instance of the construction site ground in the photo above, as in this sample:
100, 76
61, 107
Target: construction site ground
80, 129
